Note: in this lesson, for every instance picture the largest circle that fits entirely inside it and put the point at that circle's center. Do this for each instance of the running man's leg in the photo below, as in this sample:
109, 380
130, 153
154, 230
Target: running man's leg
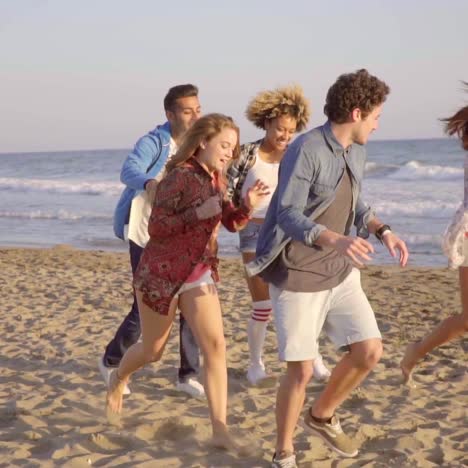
129, 330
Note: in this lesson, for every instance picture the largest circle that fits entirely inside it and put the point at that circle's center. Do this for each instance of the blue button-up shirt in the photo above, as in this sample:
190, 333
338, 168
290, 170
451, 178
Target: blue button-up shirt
309, 176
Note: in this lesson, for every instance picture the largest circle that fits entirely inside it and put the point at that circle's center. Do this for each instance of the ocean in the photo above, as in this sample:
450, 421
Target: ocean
68, 197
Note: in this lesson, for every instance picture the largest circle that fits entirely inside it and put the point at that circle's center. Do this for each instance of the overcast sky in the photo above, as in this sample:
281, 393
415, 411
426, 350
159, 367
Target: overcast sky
92, 74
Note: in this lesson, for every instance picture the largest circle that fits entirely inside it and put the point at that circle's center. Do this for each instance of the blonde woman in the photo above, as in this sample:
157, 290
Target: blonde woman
281, 113
178, 265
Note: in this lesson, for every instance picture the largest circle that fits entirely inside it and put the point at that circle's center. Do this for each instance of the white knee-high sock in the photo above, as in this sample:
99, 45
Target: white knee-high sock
256, 330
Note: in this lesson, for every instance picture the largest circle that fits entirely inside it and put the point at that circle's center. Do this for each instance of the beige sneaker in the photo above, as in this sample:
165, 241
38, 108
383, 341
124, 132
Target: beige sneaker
285, 460
332, 434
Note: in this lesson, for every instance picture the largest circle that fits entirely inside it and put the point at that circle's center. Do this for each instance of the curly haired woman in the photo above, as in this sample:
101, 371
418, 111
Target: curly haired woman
281, 112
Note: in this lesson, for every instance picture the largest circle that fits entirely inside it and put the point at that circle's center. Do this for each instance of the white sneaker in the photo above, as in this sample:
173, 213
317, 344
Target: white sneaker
320, 370
192, 387
288, 460
106, 373
256, 373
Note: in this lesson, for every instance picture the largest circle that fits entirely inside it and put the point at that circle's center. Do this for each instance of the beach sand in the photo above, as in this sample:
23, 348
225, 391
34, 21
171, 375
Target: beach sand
61, 306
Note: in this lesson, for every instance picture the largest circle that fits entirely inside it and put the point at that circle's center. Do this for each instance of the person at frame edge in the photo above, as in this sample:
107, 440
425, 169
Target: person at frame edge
281, 113
455, 247
141, 172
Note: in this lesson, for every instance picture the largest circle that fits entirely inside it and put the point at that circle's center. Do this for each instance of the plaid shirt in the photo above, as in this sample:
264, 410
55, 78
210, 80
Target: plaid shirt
238, 170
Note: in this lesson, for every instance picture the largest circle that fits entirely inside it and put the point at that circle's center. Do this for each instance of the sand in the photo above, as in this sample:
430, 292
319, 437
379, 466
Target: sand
61, 306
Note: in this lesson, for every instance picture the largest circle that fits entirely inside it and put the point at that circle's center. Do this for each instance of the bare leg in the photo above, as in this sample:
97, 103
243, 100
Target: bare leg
257, 324
202, 311
155, 330
347, 375
289, 402
257, 287
447, 330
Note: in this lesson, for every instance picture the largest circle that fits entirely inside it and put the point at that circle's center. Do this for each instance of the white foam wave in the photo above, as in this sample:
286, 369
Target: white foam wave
423, 240
430, 209
58, 186
414, 170
373, 169
59, 214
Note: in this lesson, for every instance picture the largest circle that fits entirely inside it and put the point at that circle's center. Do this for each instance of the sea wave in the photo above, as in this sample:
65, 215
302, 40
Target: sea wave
57, 186
59, 215
429, 209
415, 170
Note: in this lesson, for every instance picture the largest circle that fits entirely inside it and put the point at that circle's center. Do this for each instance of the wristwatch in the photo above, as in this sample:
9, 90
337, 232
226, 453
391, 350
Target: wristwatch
381, 232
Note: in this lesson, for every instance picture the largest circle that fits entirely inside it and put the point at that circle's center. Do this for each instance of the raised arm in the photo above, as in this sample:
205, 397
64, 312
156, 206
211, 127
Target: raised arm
134, 169
364, 215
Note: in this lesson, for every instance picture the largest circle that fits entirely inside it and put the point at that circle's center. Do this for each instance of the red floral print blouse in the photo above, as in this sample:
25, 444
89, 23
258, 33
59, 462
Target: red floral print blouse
178, 239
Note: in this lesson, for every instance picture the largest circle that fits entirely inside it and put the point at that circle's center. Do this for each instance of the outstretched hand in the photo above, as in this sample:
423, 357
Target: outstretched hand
394, 243
255, 194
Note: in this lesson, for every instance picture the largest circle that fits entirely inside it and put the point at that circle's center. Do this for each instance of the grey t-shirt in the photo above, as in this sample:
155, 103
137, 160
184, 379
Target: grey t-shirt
301, 268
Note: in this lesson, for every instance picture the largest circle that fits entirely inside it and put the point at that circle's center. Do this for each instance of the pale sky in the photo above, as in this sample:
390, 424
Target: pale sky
92, 74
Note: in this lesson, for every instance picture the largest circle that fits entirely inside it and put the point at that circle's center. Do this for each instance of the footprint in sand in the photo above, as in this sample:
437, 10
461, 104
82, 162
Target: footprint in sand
111, 443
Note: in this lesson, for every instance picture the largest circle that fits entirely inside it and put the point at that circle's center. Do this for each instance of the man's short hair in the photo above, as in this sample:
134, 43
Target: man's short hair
177, 92
354, 90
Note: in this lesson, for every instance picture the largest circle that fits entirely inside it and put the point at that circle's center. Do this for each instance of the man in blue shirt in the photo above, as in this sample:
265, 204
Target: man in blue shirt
140, 173
311, 262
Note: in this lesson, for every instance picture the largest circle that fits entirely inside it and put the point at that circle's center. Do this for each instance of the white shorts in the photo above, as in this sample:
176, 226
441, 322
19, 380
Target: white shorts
343, 312
204, 280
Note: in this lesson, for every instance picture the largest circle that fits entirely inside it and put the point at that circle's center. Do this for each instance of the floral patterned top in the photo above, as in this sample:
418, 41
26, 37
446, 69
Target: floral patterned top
178, 239
454, 237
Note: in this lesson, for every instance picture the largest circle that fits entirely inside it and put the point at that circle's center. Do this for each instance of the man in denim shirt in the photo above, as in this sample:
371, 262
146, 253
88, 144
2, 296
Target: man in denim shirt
307, 255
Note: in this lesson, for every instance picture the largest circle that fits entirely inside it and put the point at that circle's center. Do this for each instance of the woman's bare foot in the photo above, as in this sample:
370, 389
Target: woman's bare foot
226, 441
115, 395
408, 362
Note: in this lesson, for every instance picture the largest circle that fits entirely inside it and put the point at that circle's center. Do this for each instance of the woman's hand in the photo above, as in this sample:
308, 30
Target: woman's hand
256, 194
209, 208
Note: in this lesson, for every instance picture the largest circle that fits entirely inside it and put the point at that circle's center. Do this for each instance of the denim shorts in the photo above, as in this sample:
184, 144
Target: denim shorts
248, 237
343, 312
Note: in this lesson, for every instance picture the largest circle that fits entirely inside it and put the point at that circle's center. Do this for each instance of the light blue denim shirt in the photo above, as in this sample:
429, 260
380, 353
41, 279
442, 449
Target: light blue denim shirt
148, 158
309, 176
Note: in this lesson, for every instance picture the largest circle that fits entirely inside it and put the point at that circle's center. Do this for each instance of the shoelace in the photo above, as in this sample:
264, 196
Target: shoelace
289, 462
337, 427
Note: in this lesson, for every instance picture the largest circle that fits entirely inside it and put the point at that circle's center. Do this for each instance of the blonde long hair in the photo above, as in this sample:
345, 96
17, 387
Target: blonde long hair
204, 129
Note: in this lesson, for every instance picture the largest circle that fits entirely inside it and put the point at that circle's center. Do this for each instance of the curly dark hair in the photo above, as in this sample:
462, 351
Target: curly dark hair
288, 100
354, 90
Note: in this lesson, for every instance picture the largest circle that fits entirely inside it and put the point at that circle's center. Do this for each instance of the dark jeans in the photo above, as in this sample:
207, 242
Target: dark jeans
130, 330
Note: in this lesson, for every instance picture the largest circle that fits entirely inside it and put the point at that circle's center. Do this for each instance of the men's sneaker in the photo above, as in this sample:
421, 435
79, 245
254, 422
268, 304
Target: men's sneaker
320, 370
332, 434
285, 459
106, 373
192, 387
